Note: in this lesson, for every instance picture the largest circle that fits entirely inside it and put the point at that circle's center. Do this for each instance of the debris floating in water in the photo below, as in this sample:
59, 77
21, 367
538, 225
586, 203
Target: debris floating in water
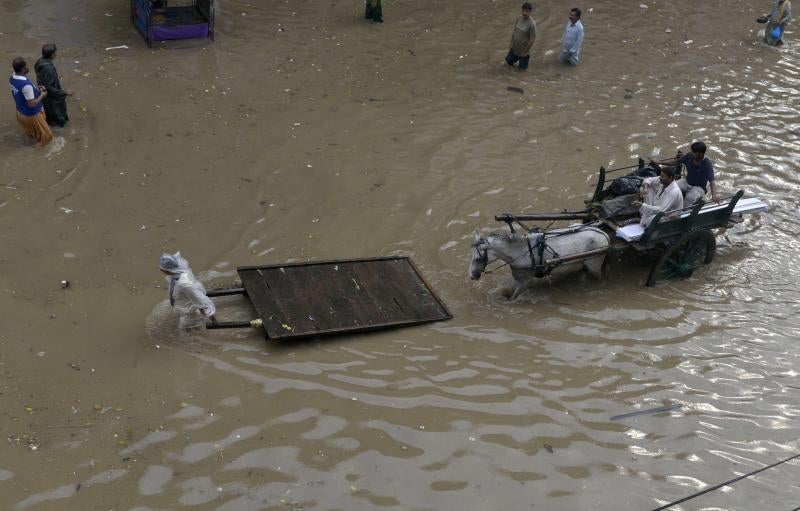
646, 412
519, 90
120, 47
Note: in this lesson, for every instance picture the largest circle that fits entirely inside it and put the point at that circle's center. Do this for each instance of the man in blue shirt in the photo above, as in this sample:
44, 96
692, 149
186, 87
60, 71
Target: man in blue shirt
572, 40
699, 176
28, 101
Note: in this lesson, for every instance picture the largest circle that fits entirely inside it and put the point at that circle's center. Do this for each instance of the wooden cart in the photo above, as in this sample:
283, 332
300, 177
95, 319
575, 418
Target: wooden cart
318, 298
683, 240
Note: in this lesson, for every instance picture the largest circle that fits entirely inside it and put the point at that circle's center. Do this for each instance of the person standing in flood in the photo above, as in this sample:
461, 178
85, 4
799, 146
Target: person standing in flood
572, 40
186, 294
55, 103
374, 11
28, 101
777, 19
522, 39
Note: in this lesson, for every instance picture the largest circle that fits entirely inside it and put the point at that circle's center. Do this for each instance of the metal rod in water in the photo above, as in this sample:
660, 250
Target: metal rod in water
645, 412
226, 292
726, 483
219, 325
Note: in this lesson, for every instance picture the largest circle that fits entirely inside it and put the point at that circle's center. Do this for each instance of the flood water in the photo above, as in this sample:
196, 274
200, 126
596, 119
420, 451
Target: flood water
304, 132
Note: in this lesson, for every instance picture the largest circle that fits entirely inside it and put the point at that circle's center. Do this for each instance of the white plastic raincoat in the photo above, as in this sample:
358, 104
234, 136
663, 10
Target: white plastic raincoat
186, 294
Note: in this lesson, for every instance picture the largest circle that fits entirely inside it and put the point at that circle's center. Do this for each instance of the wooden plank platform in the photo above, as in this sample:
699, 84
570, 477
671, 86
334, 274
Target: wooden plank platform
331, 297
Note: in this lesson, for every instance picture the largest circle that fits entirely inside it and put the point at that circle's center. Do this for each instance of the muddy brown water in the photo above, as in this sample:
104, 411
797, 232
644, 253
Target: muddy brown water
305, 133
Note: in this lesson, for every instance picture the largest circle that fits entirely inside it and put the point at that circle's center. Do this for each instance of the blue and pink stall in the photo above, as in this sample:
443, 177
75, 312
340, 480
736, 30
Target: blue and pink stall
163, 20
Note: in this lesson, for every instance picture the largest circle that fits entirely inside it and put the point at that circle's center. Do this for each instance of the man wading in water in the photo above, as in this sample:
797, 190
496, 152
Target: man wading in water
186, 294
776, 21
28, 100
55, 104
522, 39
572, 40
374, 11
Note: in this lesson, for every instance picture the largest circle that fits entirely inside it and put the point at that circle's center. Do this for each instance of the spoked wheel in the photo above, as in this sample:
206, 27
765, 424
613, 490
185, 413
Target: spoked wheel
693, 250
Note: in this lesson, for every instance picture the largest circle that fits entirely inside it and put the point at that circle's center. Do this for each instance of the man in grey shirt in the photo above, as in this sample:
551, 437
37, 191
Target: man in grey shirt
522, 38
777, 19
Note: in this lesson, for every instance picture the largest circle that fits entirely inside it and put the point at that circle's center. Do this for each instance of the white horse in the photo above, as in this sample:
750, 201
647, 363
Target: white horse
527, 254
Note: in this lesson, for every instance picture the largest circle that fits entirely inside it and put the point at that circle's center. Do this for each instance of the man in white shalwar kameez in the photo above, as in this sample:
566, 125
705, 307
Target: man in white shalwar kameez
660, 193
186, 294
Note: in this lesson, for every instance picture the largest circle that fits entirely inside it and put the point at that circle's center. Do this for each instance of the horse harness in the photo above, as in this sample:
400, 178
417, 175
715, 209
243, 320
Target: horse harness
539, 270
484, 257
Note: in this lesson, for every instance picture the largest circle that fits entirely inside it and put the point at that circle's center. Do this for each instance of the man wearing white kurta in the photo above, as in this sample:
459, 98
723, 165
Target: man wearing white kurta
659, 193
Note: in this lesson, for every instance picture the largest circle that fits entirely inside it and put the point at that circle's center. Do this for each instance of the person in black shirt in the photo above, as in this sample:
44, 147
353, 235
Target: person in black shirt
55, 104
699, 176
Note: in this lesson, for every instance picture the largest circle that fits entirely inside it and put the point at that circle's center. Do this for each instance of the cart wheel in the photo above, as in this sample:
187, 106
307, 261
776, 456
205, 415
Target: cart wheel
691, 251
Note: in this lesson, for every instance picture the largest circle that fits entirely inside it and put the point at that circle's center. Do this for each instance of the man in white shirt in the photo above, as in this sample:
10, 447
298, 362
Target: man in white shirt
572, 40
660, 193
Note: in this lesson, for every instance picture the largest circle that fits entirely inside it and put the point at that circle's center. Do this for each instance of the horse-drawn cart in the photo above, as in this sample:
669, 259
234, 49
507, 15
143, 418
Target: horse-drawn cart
683, 240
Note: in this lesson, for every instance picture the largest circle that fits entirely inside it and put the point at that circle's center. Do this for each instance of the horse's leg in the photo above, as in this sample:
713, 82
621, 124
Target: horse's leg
521, 286
604, 268
595, 266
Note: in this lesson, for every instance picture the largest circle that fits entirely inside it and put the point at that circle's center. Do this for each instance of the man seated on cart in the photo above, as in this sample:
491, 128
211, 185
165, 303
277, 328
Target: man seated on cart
699, 174
660, 193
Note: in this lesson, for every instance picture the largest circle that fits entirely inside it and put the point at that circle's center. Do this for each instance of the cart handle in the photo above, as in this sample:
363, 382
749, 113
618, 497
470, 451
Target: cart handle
227, 292
219, 325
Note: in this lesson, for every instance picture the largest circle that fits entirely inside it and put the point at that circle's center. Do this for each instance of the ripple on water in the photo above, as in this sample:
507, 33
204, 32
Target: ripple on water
155, 479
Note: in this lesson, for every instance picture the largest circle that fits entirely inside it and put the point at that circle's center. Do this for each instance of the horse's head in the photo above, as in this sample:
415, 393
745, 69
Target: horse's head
480, 257
518, 251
